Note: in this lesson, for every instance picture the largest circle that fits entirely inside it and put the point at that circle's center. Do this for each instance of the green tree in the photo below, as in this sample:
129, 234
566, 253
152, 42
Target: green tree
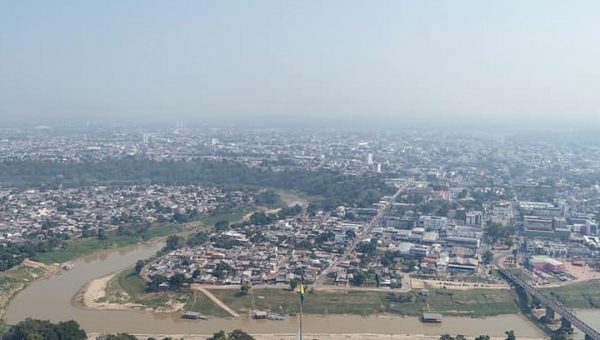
102, 234
70, 330
174, 242
176, 281
411, 265
155, 281
482, 337
293, 284
510, 335
222, 225
488, 257
359, 279
220, 335
238, 334
245, 288
497, 232
350, 234
446, 337
139, 265
197, 239
222, 269
44, 329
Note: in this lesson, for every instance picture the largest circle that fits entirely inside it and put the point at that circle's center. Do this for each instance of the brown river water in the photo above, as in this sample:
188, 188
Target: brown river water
52, 299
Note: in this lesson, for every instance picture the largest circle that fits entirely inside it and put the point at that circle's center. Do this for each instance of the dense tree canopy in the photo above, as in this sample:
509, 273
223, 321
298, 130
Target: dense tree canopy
497, 232
119, 336
30, 329
236, 334
335, 188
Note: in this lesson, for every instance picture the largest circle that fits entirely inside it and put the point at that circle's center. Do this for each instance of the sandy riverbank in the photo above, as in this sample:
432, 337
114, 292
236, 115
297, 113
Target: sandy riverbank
95, 296
50, 269
309, 336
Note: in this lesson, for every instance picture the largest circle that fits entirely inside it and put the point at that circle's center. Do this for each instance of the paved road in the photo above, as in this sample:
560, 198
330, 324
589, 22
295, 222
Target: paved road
359, 237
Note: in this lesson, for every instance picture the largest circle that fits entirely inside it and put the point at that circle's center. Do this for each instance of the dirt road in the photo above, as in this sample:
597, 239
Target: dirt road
215, 300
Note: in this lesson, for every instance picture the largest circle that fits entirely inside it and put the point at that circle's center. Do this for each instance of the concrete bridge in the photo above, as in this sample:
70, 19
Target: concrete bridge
553, 306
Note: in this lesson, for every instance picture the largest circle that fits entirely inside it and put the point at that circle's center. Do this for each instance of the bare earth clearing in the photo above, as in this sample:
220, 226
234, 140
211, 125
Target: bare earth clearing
33, 264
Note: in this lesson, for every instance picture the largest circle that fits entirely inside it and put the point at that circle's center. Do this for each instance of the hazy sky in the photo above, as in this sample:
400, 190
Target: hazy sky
196, 60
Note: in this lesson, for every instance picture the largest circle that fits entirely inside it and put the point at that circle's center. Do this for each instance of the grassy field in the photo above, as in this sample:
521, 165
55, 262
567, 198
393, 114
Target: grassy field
14, 280
475, 303
578, 295
198, 302
84, 246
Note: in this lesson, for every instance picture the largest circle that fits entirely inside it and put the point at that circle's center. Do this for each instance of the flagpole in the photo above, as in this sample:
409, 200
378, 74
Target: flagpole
301, 301
300, 318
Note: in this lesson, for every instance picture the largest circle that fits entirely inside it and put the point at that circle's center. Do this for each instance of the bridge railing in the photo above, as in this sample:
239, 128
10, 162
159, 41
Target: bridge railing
553, 303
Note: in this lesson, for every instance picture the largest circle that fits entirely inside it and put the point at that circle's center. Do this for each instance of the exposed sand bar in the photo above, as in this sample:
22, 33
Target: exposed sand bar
93, 296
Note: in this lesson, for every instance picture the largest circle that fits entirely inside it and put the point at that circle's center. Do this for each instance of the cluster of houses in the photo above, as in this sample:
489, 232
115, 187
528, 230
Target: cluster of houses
304, 246
255, 264
79, 211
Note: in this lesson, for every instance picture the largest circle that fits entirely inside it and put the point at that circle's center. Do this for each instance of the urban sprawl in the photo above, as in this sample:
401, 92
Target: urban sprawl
449, 202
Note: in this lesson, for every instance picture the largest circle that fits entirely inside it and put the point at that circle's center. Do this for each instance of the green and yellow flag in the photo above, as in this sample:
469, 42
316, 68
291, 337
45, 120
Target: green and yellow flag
301, 294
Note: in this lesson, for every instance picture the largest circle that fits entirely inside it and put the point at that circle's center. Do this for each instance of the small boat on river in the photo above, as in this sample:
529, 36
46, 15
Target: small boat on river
274, 316
194, 316
431, 318
68, 266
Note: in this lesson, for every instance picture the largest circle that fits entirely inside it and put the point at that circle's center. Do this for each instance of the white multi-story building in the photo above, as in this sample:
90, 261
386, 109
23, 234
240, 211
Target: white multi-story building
370, 159
433, 222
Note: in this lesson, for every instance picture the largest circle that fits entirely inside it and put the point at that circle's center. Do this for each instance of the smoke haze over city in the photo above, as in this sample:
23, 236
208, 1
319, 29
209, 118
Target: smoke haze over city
380, 63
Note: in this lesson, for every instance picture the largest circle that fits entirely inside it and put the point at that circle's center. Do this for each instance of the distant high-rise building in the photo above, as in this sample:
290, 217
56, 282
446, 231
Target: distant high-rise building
145, 138
378, 168
179, 127
370, 159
